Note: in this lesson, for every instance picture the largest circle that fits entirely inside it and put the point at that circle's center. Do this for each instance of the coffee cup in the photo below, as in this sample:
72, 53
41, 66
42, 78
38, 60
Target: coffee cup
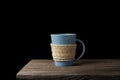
63, 48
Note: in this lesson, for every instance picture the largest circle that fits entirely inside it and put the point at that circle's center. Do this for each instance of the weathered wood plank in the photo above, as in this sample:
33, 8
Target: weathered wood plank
84, 69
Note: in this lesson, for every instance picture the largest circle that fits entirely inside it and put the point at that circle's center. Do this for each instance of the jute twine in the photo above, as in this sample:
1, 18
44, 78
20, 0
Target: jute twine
63, 52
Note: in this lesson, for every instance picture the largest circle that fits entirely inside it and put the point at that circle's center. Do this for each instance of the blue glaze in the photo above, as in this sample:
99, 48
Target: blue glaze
63, 63
63, 38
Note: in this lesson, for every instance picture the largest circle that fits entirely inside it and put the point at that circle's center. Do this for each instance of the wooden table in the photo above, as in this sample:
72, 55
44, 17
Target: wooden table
84, 69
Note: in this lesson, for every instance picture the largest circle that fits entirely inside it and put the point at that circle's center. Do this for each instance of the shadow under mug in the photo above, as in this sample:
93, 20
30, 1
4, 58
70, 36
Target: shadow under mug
66, 39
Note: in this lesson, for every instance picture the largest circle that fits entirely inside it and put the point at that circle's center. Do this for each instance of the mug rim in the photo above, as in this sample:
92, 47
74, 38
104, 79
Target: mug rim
63, 34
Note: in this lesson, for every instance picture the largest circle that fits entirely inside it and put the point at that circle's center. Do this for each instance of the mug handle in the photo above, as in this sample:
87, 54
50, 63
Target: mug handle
83, 50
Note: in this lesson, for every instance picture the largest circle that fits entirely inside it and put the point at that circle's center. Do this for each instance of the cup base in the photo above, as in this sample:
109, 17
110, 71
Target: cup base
63, 63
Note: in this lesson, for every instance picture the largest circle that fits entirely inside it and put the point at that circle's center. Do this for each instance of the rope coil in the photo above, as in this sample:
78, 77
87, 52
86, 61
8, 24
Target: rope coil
64, 52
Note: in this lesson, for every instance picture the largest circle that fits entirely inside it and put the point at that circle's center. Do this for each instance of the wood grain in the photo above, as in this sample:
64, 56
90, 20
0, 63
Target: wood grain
84, 69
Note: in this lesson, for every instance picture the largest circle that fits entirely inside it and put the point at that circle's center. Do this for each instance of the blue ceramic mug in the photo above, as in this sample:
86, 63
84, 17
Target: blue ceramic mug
66, 39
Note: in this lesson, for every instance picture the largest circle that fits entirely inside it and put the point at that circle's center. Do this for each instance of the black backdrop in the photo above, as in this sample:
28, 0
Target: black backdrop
97, 28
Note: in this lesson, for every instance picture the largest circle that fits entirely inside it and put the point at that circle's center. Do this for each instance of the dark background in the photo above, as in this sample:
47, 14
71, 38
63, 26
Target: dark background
97, 27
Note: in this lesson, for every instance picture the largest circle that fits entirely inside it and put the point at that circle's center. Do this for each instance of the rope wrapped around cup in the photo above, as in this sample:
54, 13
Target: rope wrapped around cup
63, 52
